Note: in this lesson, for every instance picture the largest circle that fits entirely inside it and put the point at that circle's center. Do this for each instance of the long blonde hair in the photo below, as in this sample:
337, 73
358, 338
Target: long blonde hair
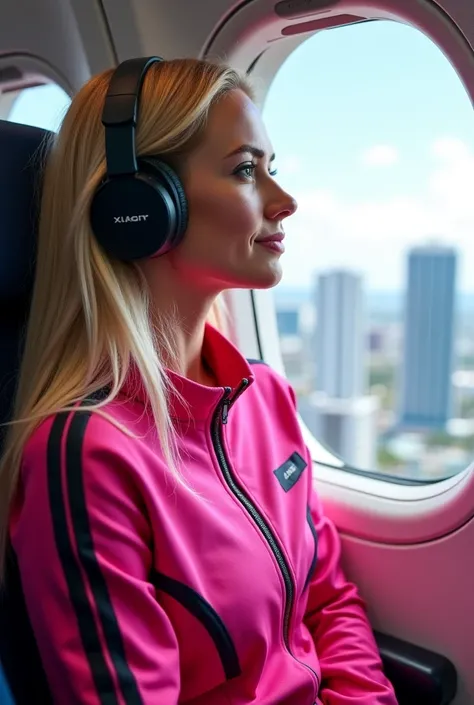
89, 317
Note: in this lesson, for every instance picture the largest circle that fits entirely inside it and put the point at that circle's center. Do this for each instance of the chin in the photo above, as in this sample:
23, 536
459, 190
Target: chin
265, 279
268, 284
250, 277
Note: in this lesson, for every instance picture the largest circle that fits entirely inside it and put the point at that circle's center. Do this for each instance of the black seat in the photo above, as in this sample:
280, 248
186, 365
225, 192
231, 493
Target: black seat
22, 149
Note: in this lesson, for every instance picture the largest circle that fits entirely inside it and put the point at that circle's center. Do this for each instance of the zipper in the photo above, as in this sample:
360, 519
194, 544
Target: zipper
220, 417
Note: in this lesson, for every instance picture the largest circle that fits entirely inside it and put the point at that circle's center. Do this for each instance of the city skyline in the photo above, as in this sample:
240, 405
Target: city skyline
412, 413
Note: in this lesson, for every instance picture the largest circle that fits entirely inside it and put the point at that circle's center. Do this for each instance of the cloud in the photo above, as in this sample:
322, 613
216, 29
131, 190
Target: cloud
449, 149
373, 236
380, 155
452, 182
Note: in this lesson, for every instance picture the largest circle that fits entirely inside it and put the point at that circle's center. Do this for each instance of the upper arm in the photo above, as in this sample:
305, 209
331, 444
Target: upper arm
84, 549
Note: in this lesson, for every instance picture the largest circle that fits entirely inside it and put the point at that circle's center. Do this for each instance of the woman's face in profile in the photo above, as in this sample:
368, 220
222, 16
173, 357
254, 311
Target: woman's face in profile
234, 203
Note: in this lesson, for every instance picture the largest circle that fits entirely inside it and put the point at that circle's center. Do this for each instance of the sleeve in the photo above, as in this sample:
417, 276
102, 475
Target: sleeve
351, 667
84, 547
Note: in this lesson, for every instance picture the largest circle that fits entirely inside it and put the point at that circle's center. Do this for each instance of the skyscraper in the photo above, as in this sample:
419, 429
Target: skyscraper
429, 331
288, 321
338, 413
340, 336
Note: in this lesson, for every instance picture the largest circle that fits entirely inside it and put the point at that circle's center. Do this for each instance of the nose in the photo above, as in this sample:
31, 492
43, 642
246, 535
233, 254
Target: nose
281, 206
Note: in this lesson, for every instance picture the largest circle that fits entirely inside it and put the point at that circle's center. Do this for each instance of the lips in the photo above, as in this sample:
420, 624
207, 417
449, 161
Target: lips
273, 242
277, 237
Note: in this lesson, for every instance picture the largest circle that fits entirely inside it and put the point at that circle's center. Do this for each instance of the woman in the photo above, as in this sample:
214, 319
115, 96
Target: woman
168, 541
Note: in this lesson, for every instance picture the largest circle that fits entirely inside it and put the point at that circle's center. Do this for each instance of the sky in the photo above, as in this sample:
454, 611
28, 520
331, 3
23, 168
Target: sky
375, 142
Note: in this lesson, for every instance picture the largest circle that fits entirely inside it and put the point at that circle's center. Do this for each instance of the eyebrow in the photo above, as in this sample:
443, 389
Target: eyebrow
250, 149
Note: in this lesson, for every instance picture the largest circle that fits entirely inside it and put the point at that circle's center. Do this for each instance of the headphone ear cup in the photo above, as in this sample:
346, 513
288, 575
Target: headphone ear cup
140, 215
174, 186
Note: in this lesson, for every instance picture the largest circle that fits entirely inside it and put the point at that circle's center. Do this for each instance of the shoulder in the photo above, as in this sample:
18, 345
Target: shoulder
81, 443
81, 477
262, 369
268, 375
76, 430
268, 380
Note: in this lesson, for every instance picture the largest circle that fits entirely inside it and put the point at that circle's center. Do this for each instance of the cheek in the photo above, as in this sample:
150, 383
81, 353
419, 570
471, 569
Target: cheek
226, 215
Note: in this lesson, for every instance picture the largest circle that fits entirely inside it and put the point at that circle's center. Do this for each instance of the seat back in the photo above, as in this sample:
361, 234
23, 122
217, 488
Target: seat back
21, 149
21, 158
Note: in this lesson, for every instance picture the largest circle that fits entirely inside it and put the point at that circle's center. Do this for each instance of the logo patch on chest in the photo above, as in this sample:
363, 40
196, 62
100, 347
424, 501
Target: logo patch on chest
289, 473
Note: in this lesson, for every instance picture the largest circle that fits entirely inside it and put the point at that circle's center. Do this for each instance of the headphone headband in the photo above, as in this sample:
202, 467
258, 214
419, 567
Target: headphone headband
120, 112
140, 209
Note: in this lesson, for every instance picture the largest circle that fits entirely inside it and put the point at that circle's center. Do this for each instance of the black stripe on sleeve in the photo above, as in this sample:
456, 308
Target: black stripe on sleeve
85, 545
77, 591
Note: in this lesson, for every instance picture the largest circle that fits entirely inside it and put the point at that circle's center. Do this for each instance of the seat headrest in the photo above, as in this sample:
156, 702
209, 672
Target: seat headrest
22, 149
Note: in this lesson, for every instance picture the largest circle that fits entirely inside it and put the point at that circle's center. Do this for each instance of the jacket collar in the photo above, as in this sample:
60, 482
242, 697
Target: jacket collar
190, 399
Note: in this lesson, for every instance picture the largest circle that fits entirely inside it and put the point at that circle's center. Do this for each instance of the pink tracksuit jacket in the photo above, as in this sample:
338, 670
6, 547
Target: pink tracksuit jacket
139, 593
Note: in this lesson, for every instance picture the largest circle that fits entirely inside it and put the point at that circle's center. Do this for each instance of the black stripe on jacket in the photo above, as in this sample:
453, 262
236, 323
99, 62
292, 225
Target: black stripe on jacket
73, 497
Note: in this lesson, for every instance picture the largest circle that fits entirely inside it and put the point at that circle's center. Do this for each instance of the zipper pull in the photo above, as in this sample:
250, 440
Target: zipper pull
225, 404
225, 411
230, 398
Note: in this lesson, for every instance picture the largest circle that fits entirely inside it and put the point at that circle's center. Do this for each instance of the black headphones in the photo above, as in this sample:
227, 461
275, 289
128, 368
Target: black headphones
140, 209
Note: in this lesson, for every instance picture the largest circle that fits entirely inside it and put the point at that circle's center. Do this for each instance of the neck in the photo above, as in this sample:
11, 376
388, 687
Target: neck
187, 338
186, 310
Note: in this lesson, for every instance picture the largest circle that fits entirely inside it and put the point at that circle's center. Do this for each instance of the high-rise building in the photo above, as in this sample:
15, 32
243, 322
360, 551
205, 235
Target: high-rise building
348, 427
338, 412
340, 335
288, 321
426, 387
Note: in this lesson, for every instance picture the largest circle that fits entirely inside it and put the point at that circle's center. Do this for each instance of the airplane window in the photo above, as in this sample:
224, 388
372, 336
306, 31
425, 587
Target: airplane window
40, 106
376, 307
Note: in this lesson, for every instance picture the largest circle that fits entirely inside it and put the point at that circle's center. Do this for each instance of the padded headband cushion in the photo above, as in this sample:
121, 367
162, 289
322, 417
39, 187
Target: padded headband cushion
174, 186
22, 149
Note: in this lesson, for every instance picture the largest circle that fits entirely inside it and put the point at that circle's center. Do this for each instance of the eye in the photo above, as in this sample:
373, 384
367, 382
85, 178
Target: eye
246, 170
